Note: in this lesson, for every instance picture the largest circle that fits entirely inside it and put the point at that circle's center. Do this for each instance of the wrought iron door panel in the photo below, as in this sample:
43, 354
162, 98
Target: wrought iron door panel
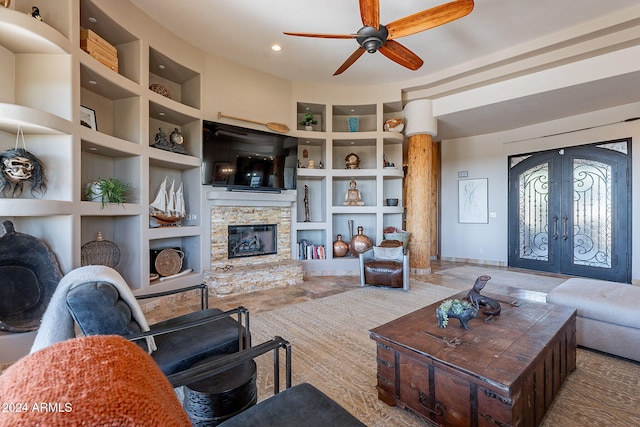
569, 211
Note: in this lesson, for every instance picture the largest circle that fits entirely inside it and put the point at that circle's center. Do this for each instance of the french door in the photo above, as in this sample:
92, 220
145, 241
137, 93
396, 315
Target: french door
570, 211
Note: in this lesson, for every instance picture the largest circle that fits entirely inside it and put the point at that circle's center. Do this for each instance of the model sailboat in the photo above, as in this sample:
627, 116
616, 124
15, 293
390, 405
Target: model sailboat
168, 206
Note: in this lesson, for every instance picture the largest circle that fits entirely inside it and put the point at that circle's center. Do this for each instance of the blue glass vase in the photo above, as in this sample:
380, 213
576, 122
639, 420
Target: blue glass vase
353, 124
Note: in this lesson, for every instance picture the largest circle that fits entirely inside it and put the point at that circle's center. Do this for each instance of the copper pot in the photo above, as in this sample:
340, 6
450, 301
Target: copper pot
340, 247
359, 243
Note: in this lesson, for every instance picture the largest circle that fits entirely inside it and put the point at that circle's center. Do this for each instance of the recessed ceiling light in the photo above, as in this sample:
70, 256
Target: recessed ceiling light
161, 66
352, 110
93, 149
276, 48
93, 20
93, 82
352, 142
161, 113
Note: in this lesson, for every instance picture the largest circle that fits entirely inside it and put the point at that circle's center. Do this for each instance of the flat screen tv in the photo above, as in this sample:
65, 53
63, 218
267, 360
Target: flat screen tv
247, 159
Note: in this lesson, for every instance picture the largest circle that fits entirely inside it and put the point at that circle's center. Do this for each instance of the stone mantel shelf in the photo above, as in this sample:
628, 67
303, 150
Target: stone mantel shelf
251, 198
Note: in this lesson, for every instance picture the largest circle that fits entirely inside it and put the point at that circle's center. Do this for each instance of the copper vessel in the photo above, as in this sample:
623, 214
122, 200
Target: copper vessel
359, 243
340, 247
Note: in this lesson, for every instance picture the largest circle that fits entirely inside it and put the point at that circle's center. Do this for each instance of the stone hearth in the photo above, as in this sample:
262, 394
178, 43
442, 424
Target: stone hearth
249, 274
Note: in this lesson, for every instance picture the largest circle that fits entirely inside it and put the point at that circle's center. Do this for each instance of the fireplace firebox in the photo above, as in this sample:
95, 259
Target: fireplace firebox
252, 240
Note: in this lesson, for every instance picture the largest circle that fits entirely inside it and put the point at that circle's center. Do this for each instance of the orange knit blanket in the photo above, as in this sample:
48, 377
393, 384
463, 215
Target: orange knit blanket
88, 381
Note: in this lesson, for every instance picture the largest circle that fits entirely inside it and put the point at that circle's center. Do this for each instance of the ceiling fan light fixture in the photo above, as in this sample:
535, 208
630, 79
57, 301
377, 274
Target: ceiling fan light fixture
375, 36
372, 44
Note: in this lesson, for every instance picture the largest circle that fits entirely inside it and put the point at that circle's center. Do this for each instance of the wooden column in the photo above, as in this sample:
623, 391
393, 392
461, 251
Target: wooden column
419, 202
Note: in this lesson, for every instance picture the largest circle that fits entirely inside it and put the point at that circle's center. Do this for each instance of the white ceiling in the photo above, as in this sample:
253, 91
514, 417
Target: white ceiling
243, 31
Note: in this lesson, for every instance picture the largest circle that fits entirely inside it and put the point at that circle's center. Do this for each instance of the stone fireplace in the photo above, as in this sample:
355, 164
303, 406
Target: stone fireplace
251, 242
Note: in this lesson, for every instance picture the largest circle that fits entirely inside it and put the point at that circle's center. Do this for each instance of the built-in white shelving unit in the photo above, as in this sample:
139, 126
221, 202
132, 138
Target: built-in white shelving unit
329, 144
46, 78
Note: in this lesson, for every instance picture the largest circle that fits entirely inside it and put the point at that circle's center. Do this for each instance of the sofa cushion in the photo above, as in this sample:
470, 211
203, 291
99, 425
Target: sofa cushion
97, 309
181, 349
383, 273
387, 253
601, 300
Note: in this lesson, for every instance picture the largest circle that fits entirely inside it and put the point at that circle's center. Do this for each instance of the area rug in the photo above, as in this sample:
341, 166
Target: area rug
332, 350
463, 277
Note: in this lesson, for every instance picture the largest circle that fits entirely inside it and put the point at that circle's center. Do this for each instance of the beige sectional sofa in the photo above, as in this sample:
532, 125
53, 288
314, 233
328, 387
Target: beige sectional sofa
608, 314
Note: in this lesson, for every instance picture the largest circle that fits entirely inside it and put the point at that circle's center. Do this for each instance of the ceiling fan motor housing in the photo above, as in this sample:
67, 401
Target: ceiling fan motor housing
371, 39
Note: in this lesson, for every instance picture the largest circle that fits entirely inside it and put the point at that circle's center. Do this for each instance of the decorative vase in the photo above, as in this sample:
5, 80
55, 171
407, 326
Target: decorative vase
353, 124
359, 243
93, 192
340, 247
308, 127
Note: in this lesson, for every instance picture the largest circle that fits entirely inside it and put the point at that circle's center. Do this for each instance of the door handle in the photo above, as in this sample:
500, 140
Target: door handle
565, 222
555, 227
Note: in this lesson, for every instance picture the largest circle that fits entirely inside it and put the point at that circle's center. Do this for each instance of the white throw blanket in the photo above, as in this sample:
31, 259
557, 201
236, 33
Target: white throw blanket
57, 322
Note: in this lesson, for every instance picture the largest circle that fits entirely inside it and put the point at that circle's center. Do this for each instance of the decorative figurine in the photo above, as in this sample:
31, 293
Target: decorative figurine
306, 204
352, 196
173, 145
18, 166
352, 161
386, 163
477, 299
35, 12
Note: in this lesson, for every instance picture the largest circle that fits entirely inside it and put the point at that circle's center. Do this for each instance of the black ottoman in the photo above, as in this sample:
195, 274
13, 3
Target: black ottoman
213, 400
302, 405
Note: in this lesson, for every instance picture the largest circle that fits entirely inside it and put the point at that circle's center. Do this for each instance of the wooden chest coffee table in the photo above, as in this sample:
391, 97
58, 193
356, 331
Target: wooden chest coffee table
504, 372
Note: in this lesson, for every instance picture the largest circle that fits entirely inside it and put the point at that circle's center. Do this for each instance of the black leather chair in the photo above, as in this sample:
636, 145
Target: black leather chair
98, 308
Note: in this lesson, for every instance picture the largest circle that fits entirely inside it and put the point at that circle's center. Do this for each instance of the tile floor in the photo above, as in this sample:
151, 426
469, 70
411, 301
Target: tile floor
311, 288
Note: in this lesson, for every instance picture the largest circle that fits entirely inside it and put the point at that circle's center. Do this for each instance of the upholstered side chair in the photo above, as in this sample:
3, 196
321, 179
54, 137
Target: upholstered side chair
385, 265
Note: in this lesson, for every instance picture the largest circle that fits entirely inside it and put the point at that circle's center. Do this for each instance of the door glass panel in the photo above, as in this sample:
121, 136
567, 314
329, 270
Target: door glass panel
592, 213
533, 204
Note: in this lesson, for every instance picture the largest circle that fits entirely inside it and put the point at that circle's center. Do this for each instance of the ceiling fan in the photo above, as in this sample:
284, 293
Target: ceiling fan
377, 37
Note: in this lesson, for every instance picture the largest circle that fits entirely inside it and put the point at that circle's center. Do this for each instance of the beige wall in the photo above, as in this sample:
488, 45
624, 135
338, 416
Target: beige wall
242, 92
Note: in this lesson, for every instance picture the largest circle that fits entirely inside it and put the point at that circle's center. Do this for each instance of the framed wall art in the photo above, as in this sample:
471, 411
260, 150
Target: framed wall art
88, 117
473, 204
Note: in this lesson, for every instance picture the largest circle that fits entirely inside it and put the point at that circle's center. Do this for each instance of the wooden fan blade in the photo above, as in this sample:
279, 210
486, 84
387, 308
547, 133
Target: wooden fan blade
400, 54
370, 13
429, 18
322, 36
350, 60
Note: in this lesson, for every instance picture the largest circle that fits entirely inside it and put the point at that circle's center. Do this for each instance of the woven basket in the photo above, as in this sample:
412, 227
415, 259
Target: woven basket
169, 262
402, 236
100, 252
161, 89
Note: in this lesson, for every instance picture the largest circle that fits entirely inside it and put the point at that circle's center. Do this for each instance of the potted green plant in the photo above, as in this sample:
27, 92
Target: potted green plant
110, 190
308, 121
461, 310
